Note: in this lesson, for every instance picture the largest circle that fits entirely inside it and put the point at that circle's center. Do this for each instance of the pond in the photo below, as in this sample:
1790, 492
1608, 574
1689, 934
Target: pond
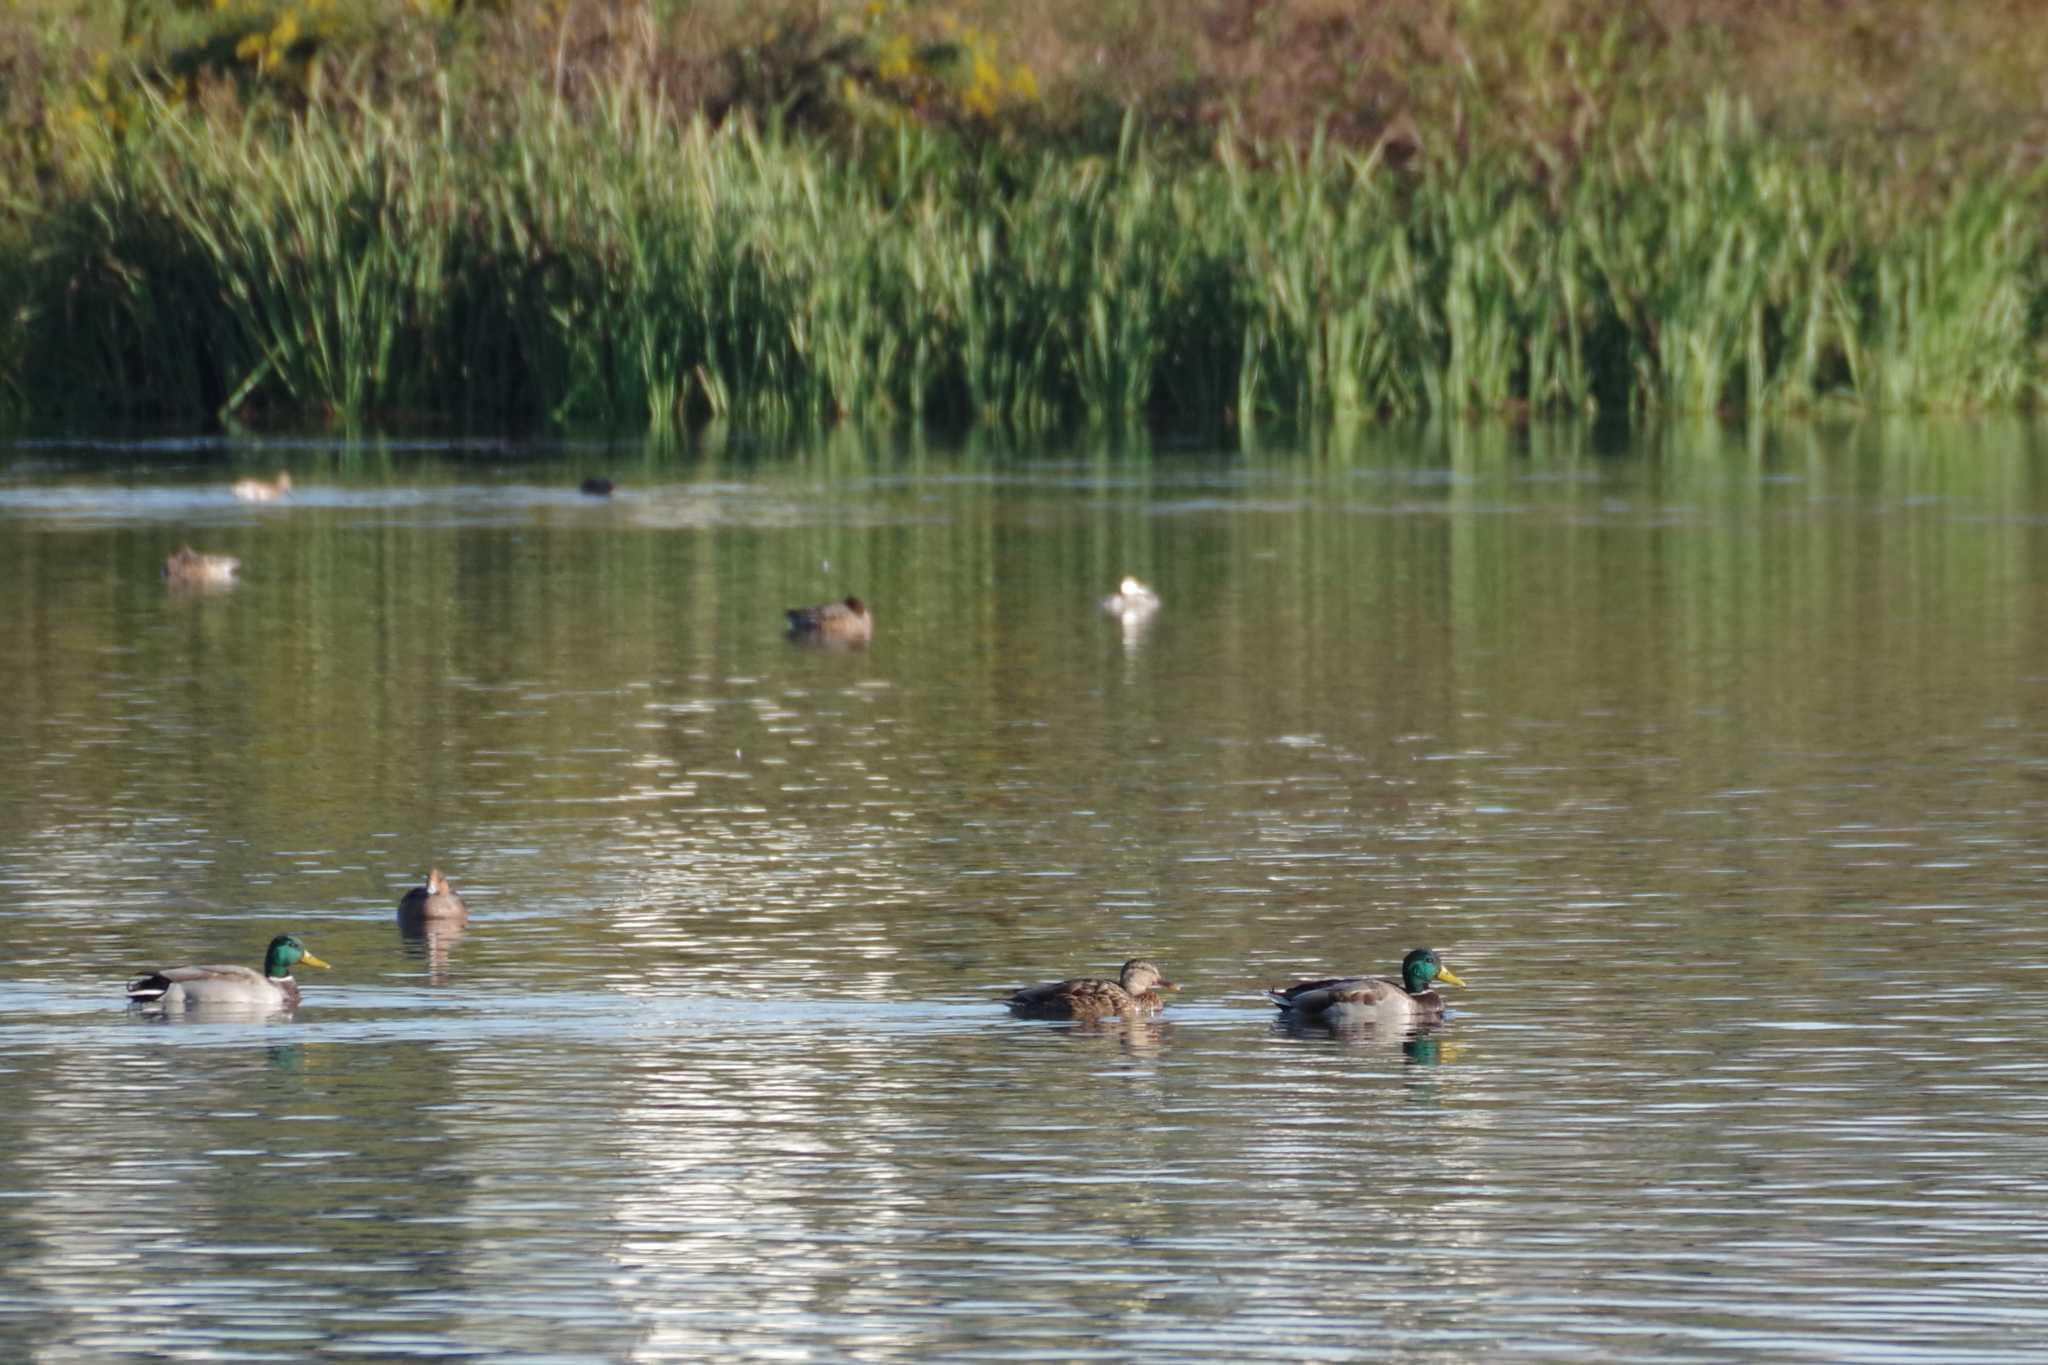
1715, 764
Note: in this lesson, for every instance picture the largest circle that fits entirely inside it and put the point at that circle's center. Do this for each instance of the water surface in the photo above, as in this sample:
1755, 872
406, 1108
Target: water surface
1715, 765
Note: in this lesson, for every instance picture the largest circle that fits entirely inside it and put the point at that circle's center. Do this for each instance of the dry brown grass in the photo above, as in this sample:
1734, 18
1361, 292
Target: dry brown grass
1925, 75
1920, 83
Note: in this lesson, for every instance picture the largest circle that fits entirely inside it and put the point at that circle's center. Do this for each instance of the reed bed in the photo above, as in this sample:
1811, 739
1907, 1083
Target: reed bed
631, 267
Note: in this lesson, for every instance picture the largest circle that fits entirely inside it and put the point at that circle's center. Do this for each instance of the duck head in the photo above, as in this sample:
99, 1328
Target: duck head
1422, 968
285, 953
1139, 976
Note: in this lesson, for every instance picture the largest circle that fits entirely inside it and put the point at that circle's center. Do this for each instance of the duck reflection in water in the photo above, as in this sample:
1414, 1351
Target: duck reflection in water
1136, 1035
1134, 992
1422, 1049
1417, 1040
431, 940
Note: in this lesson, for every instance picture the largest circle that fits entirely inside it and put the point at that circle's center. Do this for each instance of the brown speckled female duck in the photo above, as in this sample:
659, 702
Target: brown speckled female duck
435, 901
1136, 991
845, 623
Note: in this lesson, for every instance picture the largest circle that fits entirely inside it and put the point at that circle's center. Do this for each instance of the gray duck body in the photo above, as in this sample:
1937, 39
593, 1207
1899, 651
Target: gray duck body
175, 990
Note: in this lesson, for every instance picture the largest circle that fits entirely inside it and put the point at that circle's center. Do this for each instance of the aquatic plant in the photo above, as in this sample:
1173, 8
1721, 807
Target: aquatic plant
622, 264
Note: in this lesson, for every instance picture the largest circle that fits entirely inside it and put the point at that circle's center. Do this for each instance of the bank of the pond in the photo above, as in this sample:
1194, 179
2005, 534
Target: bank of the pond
636, 269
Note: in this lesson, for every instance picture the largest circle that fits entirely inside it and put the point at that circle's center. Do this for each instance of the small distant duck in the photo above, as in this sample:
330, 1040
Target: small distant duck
176, 989
1131, 598
434, 901
263, 490
846, 623
598, 486
1136, 991
189, 567
1352, 1001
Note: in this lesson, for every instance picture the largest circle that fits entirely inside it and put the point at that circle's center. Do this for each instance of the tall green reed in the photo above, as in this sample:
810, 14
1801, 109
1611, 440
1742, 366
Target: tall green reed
631, 266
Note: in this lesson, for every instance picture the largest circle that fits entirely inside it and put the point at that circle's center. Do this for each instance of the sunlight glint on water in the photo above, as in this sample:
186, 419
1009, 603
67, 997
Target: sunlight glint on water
1716, 770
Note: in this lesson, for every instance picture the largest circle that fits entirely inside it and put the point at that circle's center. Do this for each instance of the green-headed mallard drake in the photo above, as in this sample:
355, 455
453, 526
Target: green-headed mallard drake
1348, 1001
435, 901
1136, 991
844, 623
263, 490
186, 988
186, 567
1131, 599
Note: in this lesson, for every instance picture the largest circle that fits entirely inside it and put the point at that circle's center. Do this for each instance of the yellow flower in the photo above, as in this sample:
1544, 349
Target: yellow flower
895, 63
1023, 84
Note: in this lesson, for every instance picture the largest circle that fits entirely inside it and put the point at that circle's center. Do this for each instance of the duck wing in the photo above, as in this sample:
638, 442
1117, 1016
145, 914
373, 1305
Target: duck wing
1313, 997
1079, 995
153, 986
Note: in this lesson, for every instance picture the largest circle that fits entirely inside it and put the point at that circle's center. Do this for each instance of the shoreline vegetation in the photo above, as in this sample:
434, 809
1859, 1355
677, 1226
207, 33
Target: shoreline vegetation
638, 217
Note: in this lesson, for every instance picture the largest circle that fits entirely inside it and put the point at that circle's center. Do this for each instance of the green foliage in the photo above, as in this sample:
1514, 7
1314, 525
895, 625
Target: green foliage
624, 266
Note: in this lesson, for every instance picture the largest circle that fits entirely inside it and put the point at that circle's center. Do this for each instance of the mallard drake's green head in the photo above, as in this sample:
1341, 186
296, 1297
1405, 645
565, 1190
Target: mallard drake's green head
1422, 968
285, 953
